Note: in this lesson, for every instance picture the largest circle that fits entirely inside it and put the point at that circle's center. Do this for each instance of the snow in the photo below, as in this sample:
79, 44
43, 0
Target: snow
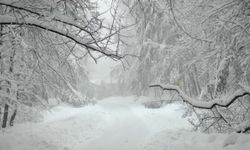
116, 123
243, 125
6, 19
221, 101
63, 128
186, 140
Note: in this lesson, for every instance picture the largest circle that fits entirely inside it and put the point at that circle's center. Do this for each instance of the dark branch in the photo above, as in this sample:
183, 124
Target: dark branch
197, 103
8, 20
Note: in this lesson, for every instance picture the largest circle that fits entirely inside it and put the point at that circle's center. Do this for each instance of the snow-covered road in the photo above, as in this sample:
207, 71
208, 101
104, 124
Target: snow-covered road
116, 123
130, 124
124, 130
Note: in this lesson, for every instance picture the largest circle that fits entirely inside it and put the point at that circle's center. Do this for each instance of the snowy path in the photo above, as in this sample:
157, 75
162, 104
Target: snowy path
125, 130
115, 123
130, 124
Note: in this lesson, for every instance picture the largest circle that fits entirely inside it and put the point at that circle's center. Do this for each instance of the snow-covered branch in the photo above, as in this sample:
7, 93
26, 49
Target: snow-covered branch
56, 17
30, 21
225, 101
222, 102
243, 127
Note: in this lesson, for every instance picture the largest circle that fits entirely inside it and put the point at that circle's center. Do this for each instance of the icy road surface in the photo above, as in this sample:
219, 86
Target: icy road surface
116, 123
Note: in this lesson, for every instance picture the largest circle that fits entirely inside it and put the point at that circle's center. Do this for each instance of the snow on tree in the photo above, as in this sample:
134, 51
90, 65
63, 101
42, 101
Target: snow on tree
42, 43
201, 48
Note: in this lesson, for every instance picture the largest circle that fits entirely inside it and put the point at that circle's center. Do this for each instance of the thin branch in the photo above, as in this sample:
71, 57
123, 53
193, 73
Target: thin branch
8, 20
182, 29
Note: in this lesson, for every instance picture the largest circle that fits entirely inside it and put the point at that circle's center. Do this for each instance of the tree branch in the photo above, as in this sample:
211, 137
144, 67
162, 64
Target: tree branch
9, 20
197, 103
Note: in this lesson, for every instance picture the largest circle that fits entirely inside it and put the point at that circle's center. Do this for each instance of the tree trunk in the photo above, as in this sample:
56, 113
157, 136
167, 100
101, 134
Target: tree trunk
12, 118
5, 115
1, 34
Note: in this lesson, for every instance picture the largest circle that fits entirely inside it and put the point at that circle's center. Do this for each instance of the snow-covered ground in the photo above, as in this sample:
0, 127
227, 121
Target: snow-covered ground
116, 123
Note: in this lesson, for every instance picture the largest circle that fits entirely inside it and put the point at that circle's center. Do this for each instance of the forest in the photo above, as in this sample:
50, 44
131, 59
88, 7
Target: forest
181, 61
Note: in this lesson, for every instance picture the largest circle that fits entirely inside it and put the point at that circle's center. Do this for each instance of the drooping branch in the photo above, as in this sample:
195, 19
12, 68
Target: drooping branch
9, 20
222, 102
197, 103
63, 19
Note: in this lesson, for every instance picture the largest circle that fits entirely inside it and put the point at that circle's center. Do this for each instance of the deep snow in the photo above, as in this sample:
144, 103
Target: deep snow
116, 123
